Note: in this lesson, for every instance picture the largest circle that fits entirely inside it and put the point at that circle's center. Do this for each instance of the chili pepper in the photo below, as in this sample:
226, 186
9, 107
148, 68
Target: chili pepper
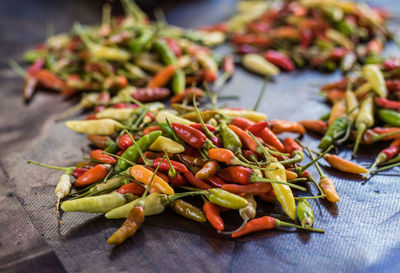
62, 190
365, 119
249, 114
95, 204
78, 172
270, 138
178, 82
226, 156
167, 144
290, 175
164, 165
212, 213
386, 154
162, 77
386, 130
305, 213
100, 141
348, 61
229, 139
150, 94
264, 223
94, 174
326, 185
257, 127
295, 151
205, 115
281, 126
317, 126
388, 104
375, 78
151, 129
124, 142
133, 188
137, 45
257, 64
187, 93
160, 174
215, 181
174, 46
226, 199
178, 181
228, 67
120, 114
132, 153
134, 220
191, 136
143, 175
103, 158
94, 127
242, 123
279, 59
244, 138
198, 183
334, 131
188, 211
391, 63
344, 165
163, 116
393, 85
209, 169
49, 80
341, 85
390, 117
338, 110
199, 127
254, 188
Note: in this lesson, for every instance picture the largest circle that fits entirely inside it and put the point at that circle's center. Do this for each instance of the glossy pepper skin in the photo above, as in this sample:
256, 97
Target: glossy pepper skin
212, 213
334, 130
305, 213
179, 167
103, 158
188, 211
209, 169
189, 135
94, 174
236, 174
132, 153
230, 140
226, 199
390, 117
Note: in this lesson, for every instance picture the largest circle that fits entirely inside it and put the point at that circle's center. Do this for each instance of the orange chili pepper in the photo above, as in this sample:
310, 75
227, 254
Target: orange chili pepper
212, 213
317, 126
338, 110
344, 165
290, 175
254, 188
143, 175
93, 175
282, 126
103, 158
334, 95
209, 169
133, 188
188, 93
151, 129
245, 138
163, 76
221, 154
129, 227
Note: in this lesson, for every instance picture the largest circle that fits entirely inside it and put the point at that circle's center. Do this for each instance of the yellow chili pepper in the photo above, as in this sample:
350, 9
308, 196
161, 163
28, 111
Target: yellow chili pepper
328, 188
162, 117
338, 110
143, 175
339, 38
251, 115
258, 64
94, 127
163, 144
206, 115
375, 78
363, 89
109, 53
95, 204
207, 62
282, 192
120, 114
364, 120
351, 103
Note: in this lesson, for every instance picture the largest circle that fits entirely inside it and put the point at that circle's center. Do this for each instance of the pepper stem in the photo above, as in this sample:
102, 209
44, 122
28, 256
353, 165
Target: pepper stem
145, 160
171, 172
175, 196
360, 133
379, 159
139, 119
213, 96
256, 178
206, 131
261, 94
347, 134
377, 137
116, 156
315, 161
221, 80
386, 167
279, 223
321, 173
67, 170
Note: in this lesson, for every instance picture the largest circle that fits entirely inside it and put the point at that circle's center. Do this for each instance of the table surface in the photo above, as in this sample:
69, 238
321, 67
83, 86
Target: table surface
362, 231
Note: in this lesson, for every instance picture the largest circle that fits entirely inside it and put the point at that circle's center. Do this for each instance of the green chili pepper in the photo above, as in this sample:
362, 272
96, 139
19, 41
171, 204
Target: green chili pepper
108, 185
167, 130
226, 199
345, 28
95, 204
112, 146
31, 55
178, 83
364, 120
305, 213
337, 128
138, 44
189, 211
389, 117
325, 116
229, 139
132, 154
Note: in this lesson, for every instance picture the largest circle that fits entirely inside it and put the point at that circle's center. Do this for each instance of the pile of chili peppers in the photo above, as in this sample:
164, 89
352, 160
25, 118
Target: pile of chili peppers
318, 34
123, 57
365, 110
146, 159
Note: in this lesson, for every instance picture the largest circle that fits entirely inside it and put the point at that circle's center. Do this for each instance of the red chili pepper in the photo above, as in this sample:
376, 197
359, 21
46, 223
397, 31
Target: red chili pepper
188, 93
334, 95
125, 105
191, 151
257, 127
306, 38
164, 166
198, 183
79, 172
124, 142
254, 188
246, 49
178, 181
393, 85
36, 66
91, 116
215, 181
250, 155
291, 146
270, 138
190, 135
387, 104
93, 175
228, 65
391, 64
133, 188
199, 127
49, 80
242, 123
392, 150
237, 174
259, 27
250, 39
103, 158
174, 46
262, 223
268, 197
342, 84
279, 59
216, 27
212, 213
154, 155
209, 76
150, 94
245, 138
338, 53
